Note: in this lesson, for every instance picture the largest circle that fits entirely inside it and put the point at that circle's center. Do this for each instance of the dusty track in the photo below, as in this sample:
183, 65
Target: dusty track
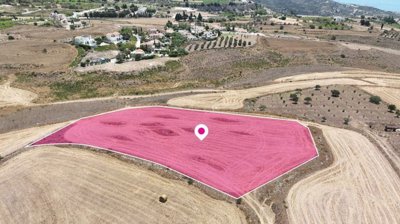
360, 187
233, 99
76, 186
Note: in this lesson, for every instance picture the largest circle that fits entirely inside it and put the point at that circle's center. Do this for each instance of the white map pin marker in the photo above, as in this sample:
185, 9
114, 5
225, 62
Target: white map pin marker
201, 131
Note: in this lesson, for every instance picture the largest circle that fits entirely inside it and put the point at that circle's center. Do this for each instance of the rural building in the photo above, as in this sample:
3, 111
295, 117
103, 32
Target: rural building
392, 128
138, 53
141, 11
339, 19
151, 45
114, 38
197, 29
85, 41
210, 35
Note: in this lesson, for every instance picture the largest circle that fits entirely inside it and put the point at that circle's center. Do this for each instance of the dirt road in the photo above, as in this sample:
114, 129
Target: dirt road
233, 99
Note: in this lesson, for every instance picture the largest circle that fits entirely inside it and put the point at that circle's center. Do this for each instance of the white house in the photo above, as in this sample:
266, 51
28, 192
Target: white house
339, 19
114, 38
85, 41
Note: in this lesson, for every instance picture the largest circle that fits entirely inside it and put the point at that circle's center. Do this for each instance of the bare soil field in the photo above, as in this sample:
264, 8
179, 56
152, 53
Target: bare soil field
10, 96
35, 55
13, 141
359, 187
353, 103
78, 186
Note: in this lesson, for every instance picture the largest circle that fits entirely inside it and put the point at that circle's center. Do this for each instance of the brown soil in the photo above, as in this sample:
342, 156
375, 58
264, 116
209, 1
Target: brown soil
52, 184
274, 194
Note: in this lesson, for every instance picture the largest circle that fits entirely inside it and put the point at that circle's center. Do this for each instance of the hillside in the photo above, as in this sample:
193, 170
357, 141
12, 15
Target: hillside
321, 7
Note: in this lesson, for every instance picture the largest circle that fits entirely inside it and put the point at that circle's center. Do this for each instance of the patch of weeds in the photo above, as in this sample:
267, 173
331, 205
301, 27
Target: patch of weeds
78, 58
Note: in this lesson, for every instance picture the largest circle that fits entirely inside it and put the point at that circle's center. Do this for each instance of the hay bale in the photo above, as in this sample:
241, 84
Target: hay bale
163, 198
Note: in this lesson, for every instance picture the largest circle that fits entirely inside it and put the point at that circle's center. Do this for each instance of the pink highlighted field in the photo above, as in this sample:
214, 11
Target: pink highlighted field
240, 153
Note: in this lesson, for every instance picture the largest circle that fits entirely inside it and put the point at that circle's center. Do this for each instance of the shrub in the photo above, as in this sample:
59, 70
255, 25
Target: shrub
312, 26
333, 37
317, 87
346, 121
307, 100
398, 113
294, 98
375, 99
392, 108
281, 27
262, 107
343, 56
11, 38
335, 93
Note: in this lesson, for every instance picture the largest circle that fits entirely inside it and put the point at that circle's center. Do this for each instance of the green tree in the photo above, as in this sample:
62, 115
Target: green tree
199, 17
392, 108
317, 87
346, 120
120, 58
335, 93
294, 98
307, 100
398, 113
375, 99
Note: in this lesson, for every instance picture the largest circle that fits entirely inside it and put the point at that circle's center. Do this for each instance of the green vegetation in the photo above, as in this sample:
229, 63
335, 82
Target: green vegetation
294, 98
78, 58
177, 40
346, 120
273, 59
375, 99
64, 90
389, 19
325, 23
307, 100
392, 108
6, 23
335, 93
89, 85
106, 48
